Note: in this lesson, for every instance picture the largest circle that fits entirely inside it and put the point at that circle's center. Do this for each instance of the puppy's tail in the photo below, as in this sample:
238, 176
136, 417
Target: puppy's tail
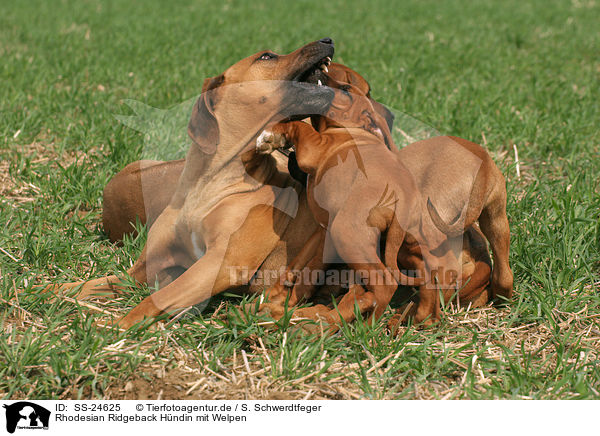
393, 242
458, 225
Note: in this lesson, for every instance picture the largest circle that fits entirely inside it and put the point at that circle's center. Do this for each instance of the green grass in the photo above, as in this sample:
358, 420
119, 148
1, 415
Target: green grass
524, 73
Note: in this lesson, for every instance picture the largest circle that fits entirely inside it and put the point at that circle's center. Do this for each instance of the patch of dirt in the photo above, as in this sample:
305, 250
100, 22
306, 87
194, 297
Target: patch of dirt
242, 377
42, 153
179, 384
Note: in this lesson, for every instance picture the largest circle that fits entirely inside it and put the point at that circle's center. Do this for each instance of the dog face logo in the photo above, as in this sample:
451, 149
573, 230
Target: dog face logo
26, 415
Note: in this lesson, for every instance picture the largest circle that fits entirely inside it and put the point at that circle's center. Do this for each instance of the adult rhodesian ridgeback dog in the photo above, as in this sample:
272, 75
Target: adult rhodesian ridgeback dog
228, 197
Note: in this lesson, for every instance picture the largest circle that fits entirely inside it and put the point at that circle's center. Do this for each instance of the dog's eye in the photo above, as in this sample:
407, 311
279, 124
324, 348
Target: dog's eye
267, 56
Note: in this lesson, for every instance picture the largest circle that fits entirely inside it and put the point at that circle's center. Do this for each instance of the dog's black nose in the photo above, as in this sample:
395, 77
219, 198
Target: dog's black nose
326, 41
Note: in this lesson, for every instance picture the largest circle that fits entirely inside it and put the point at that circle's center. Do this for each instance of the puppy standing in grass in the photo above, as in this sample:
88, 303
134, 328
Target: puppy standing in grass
359, 191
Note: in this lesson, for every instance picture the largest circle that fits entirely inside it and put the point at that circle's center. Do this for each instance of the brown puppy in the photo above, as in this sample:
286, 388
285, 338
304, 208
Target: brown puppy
358, 191
480, 194
228, 197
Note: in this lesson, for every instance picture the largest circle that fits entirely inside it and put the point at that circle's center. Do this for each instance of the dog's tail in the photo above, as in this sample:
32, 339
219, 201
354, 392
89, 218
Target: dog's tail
393, 242
459, 224
383, 216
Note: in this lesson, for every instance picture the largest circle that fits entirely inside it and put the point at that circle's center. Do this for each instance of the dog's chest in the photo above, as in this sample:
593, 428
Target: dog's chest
200, 225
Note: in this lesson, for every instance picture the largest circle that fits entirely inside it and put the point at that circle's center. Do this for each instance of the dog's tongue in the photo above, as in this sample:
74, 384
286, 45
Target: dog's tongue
318, 76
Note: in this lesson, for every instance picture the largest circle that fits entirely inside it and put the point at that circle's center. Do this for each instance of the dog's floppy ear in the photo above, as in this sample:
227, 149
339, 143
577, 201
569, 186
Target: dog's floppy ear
387, 135
376, 124
384, 112
372, 121
203, 128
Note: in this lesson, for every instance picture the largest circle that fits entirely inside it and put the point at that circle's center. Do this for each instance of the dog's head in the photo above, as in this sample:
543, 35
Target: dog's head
261, 89
343, 74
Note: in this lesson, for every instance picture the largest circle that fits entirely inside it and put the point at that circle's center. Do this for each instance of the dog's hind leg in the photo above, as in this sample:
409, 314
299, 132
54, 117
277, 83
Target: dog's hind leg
356, 300
289, 280
357, 247
494, 225
292, 286
476, 269
305, 288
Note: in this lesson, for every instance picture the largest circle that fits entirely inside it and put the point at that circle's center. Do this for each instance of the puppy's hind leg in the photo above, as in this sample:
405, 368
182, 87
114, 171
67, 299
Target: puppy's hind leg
476, 269
494, 225
358, 249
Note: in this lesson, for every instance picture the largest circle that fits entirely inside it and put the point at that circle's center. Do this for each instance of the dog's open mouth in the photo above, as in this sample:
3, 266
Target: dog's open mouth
315, 74
308, 94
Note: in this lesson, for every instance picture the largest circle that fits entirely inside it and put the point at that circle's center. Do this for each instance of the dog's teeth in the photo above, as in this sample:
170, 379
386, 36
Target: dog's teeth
325, 69
328, 59
319, 82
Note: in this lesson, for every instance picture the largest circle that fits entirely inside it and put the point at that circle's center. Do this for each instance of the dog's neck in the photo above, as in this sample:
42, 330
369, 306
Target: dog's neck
233, 168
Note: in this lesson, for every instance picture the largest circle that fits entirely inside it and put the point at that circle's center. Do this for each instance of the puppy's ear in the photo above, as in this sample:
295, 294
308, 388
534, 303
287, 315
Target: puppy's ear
375, 123
387, 135
203, 128
384, 112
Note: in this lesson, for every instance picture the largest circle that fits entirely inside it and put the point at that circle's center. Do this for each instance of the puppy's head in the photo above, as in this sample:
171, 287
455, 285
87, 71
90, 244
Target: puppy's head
352, 108
343, 74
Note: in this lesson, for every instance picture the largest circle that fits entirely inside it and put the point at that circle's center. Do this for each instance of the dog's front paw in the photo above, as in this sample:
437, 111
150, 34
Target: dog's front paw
268, 141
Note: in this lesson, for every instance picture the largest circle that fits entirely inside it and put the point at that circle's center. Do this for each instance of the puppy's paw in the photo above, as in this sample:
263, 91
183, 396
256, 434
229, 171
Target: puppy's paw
268, 141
